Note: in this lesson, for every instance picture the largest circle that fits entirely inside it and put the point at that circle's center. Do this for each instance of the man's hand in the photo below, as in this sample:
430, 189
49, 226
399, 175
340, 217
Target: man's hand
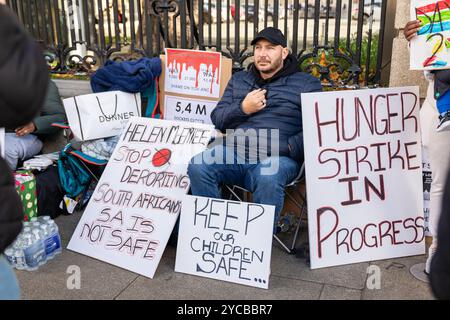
411, 29
26, 129
2, 1
254, 101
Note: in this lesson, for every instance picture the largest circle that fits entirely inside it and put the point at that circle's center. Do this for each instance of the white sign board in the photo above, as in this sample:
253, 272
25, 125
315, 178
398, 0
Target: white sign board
135, 205
426, 176
2, 142
430, 48
188, 109
193, 72
363, 175
225, 240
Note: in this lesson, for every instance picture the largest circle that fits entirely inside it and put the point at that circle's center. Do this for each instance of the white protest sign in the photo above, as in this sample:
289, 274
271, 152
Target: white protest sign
188, 109
2, 142
225, 240
430, 48
363, 175
135, 205
427, 178
193, 72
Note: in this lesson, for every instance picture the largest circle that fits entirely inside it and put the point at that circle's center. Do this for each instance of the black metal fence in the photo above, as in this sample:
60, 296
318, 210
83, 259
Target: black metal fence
340, 41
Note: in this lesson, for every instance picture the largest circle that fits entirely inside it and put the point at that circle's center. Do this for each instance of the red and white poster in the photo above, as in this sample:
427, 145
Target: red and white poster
192, 72
137, 201
363, 168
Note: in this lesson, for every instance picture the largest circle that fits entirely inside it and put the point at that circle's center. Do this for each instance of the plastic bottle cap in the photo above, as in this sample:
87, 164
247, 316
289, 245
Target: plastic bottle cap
26, 229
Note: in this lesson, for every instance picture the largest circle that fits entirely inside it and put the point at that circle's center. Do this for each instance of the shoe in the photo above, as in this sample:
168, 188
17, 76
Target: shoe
431, 251
444, 122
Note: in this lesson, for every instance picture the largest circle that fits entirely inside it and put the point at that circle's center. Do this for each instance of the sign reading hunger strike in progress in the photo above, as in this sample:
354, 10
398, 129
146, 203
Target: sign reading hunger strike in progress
137, 201
225, 240
363, 174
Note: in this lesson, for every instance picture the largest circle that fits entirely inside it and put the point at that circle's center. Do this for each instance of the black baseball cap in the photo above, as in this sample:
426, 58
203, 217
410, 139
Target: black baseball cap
271, 34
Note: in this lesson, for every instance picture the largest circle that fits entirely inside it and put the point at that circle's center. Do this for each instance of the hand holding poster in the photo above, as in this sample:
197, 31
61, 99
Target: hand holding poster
137, 201
225, 240
430, 48
363, 175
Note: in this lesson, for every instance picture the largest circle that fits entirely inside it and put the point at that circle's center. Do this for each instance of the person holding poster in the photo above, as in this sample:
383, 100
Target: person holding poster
437, 144
23, 82
260, 112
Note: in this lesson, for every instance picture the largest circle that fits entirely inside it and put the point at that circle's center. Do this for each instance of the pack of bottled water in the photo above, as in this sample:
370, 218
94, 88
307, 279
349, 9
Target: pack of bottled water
38, 243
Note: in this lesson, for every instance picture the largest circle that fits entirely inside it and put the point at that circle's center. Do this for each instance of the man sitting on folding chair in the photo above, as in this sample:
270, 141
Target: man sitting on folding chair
260, 112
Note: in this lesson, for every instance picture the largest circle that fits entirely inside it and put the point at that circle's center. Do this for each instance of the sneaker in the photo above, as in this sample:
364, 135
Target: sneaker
444, 122
431, 251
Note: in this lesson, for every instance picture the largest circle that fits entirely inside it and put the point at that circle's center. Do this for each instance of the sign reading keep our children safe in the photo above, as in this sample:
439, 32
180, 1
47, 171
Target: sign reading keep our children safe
225, 240
430, 49
363, 169
137, 201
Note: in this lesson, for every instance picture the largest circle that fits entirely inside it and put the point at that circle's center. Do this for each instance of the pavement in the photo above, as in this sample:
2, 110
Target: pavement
291, 279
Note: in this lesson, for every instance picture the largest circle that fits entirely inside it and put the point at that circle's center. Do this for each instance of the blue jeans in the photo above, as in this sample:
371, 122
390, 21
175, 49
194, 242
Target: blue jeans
265, 179
9, 288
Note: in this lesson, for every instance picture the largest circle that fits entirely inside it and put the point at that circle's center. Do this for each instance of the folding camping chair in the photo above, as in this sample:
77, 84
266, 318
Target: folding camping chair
290, 248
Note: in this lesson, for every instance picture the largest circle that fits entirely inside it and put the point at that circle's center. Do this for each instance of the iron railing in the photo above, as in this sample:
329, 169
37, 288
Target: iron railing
340, 41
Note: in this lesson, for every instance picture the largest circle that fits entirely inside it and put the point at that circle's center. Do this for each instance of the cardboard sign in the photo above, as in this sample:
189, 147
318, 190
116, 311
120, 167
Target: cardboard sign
100, 115
136, 203
193, 72
426, 179
170, 112
363, 175
430, 48
188, 109
225, 240
2, 142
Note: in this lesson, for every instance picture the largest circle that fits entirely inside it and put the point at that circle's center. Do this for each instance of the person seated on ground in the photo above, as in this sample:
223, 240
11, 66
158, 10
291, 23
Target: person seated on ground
24, 142
264, 151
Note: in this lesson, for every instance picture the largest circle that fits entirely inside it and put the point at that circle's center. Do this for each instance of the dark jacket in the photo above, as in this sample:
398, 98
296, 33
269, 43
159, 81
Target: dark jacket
23, 83
440, 265
52, 111
282, 111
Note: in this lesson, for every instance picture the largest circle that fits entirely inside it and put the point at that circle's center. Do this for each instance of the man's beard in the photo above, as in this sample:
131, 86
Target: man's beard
277, 66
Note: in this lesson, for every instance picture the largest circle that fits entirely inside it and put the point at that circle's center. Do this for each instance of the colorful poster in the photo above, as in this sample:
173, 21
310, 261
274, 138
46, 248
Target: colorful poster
363, 168
225, 240
137, 201
430, 48
188, 109
192, 72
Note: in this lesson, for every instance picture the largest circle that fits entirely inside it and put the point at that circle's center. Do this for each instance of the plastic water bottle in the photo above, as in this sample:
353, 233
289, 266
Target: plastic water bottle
53, 239
9, 255
43, 219
40, 236
18, 253
34, 250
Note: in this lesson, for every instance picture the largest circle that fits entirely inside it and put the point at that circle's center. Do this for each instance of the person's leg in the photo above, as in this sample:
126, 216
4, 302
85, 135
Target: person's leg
9, 287
268, 186
437, 147
20, 148
209, 169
